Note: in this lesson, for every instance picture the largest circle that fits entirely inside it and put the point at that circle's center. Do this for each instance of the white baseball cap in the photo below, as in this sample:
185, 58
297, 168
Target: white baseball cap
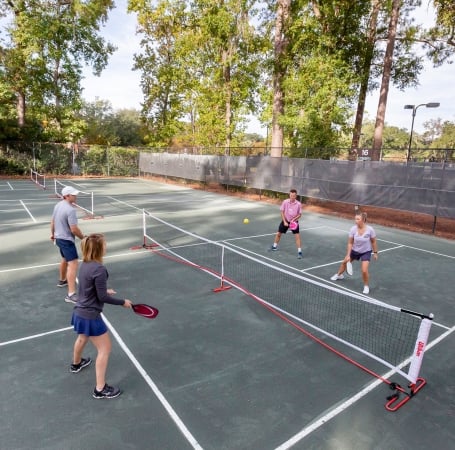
69, 190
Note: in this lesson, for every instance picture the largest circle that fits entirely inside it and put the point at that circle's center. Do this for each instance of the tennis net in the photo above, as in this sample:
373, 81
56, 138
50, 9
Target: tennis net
393, 336
38, 178
85, 200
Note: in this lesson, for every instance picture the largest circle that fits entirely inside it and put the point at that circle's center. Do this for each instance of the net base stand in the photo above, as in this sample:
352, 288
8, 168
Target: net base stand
394, 402
145, 246
222, 287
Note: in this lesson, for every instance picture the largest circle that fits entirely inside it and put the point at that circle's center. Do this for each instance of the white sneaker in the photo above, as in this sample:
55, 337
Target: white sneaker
366, 290
337, 277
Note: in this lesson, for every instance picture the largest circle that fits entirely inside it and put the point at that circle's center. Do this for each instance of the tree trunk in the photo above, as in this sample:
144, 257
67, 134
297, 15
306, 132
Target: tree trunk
388, 61
280, 47
20, 109
228, 96
366, 68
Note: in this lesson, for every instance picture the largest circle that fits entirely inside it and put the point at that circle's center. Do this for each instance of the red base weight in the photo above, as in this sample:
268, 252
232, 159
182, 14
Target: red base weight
222, 288
149, 246
394, 403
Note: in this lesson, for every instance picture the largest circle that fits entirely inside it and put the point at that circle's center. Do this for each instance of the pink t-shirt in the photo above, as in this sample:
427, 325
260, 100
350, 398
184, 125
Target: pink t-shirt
291, 209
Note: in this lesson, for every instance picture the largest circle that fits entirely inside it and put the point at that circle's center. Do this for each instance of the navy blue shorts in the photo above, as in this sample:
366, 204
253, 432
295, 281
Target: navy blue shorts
89, 327
68, 249
362, 256
283, 229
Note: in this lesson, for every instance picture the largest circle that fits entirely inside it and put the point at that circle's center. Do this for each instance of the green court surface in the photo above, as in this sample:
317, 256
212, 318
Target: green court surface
215, 370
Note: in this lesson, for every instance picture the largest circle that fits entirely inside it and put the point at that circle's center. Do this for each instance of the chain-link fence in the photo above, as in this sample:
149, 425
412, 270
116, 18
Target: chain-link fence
426, 187
423, 184
68, 159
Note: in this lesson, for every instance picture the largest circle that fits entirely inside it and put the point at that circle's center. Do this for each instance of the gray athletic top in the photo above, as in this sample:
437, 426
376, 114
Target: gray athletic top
64, 216
92, 293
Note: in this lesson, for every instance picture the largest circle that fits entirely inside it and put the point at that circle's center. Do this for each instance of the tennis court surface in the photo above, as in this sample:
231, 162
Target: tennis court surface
249, 367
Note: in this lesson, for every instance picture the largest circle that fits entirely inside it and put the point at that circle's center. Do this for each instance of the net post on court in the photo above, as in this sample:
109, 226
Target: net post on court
85, 200
393, 336
38, 178
416, 382
147, 241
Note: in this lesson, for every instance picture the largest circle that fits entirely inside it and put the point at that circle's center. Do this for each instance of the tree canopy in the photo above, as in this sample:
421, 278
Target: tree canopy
302, 67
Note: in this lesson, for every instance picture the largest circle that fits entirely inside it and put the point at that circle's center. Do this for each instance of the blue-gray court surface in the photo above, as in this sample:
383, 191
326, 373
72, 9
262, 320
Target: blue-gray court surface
213, 370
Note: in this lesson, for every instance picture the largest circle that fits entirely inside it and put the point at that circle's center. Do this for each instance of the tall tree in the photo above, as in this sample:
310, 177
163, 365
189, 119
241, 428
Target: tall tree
387, 70
313, 73
280, 49
198, 65
165, 72
403, 62
50, 42
365, 66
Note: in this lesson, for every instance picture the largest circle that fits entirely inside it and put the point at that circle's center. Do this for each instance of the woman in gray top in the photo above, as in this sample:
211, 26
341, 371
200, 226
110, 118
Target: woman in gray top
87, 320
361, 244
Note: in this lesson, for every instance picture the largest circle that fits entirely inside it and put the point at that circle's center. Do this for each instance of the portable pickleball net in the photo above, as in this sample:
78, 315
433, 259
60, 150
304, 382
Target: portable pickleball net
392, 336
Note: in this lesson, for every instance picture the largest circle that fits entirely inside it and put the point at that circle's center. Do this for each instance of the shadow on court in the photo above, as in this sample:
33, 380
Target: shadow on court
213, 370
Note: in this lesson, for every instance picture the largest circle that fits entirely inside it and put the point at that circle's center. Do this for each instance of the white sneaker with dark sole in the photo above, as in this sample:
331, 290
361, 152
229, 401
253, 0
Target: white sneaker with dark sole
366, 290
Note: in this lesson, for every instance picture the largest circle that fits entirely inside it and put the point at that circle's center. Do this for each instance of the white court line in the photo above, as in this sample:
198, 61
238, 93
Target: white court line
29, 213
138, 366
340, 408
11, 187
35, 336
419, 249
124, 203
18, 269
407, 246
268, 234
260, 255
339, 262
194, 443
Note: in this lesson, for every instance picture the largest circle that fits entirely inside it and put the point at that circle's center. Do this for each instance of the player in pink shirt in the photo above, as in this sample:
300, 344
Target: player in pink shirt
291, 211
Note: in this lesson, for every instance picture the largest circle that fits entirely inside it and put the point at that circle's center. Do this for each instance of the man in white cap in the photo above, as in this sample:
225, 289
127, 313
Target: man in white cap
64, 229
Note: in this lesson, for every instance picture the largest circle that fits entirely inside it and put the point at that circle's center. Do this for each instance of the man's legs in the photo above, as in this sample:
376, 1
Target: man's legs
63, 269
71, 274
277, 239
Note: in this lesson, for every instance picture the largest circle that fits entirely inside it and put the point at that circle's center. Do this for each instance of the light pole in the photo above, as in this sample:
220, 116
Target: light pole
414, 110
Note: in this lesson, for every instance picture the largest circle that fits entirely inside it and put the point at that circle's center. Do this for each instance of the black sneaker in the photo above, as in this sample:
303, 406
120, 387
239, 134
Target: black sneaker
107, 392
62, 283
75, 368
71, 298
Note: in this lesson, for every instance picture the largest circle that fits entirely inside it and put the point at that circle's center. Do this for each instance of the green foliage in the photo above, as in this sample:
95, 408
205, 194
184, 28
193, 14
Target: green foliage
439, 41
200, 69
108, 161
13, 166
393, 137
446, 138
46, 46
